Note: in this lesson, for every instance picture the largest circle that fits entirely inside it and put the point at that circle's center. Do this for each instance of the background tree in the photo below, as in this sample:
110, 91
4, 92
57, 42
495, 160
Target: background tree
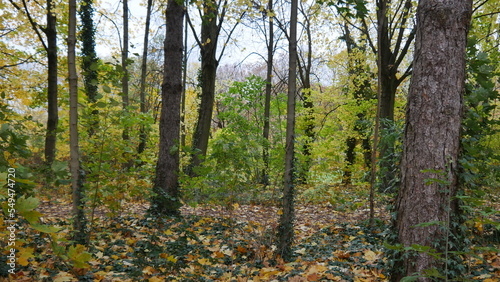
166, 185
89, 60
125, 78
50, 46
144, 69
426, 204
285, 229
79, 225
212, 19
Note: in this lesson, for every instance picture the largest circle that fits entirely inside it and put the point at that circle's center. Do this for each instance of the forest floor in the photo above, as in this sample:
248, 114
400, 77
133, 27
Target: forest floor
214, 243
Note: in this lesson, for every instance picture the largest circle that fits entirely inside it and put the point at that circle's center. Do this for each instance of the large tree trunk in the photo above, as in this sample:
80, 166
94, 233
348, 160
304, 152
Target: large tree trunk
209, 63
79, 225
166, 185
285, 229
432, 134
52, 111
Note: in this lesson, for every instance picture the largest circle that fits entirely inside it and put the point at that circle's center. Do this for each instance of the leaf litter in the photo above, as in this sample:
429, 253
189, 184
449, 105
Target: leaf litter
214, 243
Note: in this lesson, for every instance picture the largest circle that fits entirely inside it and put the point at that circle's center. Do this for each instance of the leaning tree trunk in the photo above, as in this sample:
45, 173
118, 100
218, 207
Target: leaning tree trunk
432, 135
209, 63
166, 185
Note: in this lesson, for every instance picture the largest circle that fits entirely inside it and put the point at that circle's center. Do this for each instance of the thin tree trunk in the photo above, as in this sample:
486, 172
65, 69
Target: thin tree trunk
52, 111
267, 99
305, 77
432, 135
166, 185
125, 78
285, 229
79, 225
144, 68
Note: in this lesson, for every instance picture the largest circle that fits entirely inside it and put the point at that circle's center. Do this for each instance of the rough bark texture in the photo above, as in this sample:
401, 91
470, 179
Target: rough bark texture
209, 63
166, 185
432, 133
52, 111
285, 229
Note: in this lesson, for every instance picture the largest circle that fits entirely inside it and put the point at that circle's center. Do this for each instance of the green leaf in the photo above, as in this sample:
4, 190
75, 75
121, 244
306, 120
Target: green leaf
409, 278
79, 256
45, 228
24, 205
106, 89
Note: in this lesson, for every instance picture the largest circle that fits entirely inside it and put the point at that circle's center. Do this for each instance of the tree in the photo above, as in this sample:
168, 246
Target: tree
360, 87
125, 78
144, 68
267, 100
79, 225
50, 46
285, 229
89, 60
426, 203
166, 184
211, 26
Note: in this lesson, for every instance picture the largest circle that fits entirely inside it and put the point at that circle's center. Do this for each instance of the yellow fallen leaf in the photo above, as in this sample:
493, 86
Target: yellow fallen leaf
24, 255
204, 261
148, 270
370, 255
172, 259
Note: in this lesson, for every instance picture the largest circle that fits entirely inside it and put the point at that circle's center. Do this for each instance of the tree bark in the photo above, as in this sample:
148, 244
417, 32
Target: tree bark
52, 110
285, 229
166, 185
432, 133
209, 64
79, 226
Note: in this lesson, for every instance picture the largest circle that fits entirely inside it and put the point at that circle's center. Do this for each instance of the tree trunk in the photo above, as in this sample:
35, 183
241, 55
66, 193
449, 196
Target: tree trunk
267, 99
125, 78
285, 229
52, 111
166, 185
89, 61
79, 225
144, 68
432, 134
389, 62
209, 63
305, 77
